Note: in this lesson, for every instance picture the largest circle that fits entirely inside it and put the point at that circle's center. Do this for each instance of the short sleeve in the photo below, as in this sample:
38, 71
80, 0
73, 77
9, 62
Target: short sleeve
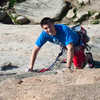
41, 39
69, 37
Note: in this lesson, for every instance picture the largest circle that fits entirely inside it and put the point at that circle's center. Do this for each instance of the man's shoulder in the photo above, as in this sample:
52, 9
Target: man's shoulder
62, 26
43, 33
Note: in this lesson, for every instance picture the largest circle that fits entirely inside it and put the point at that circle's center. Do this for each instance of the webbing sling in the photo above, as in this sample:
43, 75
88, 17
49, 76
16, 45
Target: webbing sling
51, 66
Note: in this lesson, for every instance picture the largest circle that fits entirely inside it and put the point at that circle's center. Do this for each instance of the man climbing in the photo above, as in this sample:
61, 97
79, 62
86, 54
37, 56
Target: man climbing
63, 36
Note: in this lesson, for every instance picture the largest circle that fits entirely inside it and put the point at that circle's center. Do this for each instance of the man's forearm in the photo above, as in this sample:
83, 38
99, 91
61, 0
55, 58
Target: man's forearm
33, 56
70, 54
69, 58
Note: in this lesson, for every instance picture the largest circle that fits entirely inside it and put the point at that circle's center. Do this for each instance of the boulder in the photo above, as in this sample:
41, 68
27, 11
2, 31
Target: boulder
4, 17
14, 15
7, 20
3, 2
75, 20
65, 21
36, 10
83, 1
2, 14
22, 20
70, 14
96, 15
81, 16
81, 13
6, 6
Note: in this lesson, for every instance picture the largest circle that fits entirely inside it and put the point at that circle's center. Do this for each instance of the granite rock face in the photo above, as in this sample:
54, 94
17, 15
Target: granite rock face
37, 9
16, 44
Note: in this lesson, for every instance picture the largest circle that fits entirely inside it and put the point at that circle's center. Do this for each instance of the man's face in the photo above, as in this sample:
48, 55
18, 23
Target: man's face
49, 28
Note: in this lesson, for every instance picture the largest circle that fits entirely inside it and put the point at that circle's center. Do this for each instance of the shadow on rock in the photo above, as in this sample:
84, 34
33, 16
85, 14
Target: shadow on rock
97, 64
8, 74
10, 68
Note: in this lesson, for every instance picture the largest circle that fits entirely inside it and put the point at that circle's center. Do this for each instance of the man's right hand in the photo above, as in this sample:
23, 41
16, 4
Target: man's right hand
30, 70
33, 57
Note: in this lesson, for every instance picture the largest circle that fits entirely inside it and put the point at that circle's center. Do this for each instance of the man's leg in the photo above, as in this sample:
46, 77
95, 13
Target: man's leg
89, 60
79, 59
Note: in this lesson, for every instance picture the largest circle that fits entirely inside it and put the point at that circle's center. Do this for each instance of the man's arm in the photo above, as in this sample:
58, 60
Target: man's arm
33, 56
70, 53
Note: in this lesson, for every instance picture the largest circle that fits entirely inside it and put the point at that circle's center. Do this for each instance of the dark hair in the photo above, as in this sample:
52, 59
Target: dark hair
46, 20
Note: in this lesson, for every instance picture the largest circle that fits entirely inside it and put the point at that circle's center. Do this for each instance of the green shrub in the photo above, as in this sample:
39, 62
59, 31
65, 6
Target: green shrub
91, 12
81, 4
13, 18
84, 17
11, 3
96, 21
74, 11
18, 1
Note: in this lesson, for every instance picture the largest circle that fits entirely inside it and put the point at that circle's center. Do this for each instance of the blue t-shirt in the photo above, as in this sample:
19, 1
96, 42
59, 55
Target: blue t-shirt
64, 36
